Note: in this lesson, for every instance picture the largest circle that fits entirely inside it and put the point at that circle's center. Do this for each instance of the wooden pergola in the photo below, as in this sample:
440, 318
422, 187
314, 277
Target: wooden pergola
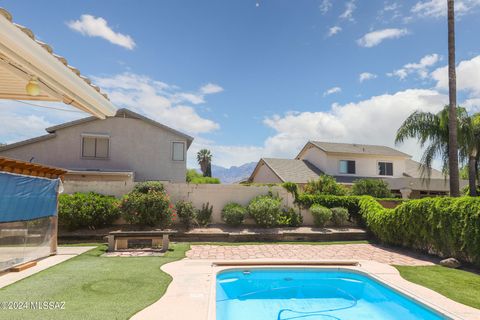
30, 169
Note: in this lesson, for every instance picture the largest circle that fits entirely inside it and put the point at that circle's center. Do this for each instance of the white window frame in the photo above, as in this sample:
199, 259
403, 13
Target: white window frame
94, 135
378, 168
173, 150
339, 167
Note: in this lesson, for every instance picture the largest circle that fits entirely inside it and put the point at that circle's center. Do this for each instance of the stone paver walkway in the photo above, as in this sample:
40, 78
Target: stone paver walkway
311, 252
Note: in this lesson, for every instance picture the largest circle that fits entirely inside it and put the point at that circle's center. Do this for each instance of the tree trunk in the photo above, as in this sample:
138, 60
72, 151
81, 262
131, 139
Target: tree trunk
452, 92
472, 175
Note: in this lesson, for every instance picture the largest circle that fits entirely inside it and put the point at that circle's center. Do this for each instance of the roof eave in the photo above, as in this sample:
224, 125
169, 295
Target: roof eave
24, 51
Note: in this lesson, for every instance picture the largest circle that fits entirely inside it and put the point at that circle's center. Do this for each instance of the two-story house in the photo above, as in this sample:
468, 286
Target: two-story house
348, 162
127, 144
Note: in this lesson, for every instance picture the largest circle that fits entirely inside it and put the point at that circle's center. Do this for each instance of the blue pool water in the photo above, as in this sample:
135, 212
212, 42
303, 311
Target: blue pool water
308, 294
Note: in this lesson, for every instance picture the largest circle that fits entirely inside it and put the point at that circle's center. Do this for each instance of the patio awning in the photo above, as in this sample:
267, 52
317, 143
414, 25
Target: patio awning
23, 58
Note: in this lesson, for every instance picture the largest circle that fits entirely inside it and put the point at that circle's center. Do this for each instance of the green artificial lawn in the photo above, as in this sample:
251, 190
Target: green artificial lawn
94, 287
461, 286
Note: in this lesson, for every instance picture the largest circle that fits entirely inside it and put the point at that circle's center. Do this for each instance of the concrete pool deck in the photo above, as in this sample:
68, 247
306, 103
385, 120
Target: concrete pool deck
191, 295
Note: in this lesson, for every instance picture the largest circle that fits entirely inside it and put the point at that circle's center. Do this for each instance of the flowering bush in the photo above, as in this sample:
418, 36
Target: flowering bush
148, 209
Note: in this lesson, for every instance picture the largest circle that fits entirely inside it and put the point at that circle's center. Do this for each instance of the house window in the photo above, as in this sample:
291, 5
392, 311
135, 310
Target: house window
96, 147
347, 166
178, 151
385, 169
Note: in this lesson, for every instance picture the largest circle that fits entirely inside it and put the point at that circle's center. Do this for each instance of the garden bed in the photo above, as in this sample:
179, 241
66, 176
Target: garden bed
224, 233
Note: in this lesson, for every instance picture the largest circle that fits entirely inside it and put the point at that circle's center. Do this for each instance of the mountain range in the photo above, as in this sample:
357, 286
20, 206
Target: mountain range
233, 174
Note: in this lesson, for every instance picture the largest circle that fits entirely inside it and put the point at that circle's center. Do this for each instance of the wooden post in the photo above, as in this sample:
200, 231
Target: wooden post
54, 234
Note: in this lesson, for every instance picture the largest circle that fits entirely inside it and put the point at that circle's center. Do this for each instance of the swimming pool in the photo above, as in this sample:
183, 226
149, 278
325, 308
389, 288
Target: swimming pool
308, 294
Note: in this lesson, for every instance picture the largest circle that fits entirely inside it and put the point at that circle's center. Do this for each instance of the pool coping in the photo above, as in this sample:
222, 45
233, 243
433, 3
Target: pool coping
194, 286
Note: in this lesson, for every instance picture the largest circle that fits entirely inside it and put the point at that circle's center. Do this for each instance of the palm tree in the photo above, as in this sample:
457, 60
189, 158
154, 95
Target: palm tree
470, 149
432, 132
452, 93
204, 159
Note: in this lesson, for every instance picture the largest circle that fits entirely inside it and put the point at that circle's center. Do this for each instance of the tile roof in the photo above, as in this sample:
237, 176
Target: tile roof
292, 170
355, 148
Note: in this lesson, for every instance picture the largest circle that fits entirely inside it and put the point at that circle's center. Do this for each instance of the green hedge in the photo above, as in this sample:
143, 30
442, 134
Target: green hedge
87, 210
449, 227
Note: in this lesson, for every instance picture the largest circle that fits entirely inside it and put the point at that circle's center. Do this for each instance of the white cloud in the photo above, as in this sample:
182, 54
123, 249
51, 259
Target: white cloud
472, 105
157, 100
420, 68
364, 76
17, 127
334, 30
22, 121
332, 91
391, 6
351, 122
350, 7
210, 88
438, 8
98, 27
468, 77
325, 6
376, 37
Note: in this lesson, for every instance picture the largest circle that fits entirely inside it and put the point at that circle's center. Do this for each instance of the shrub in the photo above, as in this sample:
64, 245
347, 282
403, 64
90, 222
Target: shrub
449, 227
265, 210
321, 215
349, 202
325, 185
186, 213
289, 218
291, 187
145, 187
148, 209
204, 215
197, 178
87, 210
339, 216
233, 214
372, 187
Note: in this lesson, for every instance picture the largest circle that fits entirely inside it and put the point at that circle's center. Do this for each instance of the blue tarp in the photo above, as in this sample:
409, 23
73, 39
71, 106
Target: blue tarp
26, 198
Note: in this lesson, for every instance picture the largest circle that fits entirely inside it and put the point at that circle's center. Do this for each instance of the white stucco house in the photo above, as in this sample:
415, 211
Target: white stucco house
348, 162
127, 146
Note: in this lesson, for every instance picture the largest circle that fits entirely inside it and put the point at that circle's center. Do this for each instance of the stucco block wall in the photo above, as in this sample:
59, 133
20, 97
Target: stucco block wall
116, 188
135, 145
218, 195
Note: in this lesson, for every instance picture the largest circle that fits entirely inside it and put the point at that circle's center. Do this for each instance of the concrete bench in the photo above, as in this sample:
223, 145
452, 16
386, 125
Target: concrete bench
118, 240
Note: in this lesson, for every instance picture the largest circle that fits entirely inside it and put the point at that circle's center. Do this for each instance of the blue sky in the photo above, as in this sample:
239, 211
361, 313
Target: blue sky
259, 78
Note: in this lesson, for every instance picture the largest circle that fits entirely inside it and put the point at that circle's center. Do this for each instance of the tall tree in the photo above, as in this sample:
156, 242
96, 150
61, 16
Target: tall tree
432, 131
204, 159
452, 93
470, 149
